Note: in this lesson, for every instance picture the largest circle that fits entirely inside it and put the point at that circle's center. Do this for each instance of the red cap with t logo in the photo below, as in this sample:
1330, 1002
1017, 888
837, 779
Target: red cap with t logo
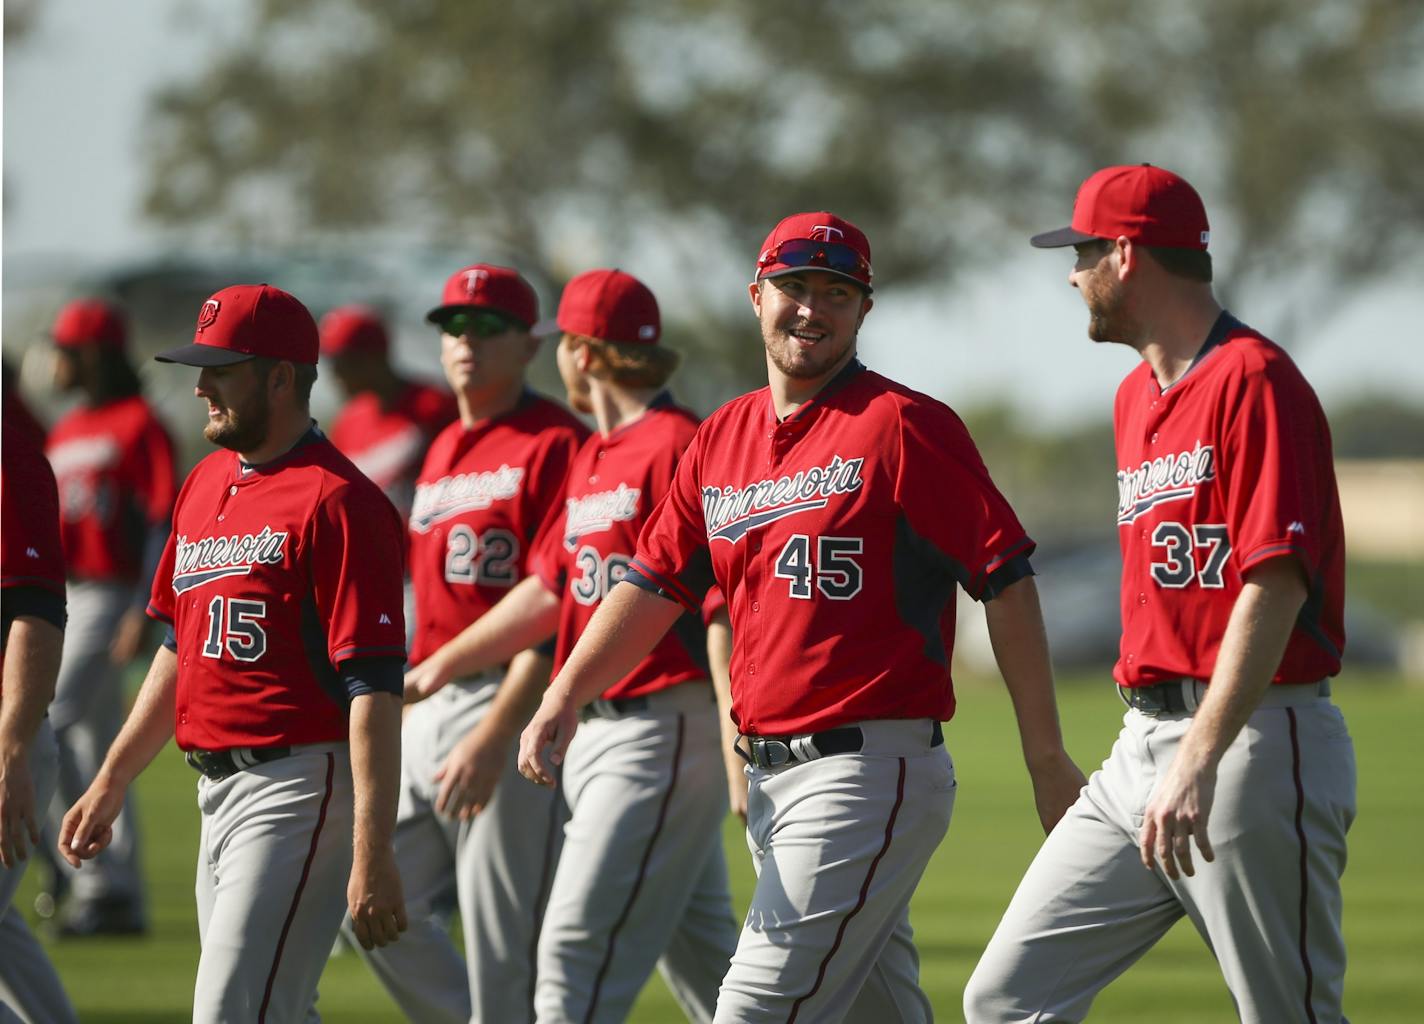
248, 320
611, 306
1145, 204
816, 241
90, 322
486, 286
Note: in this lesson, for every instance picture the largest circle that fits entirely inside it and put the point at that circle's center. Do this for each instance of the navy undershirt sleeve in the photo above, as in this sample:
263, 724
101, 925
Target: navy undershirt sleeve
40, 602
1012, 571
154, 542
381, 674
642, 582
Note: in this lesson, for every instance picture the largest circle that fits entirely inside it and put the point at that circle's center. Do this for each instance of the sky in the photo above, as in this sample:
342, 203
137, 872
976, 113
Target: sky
75, 90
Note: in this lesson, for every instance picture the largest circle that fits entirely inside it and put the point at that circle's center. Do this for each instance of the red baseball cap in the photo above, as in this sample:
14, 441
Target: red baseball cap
486, 286
245, 321
816, 241
90, 321
1146, 204
611, 306
353, 329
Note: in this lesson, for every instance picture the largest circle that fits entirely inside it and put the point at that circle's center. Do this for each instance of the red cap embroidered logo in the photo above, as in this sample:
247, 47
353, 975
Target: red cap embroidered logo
208, 314
472, 281
826, 233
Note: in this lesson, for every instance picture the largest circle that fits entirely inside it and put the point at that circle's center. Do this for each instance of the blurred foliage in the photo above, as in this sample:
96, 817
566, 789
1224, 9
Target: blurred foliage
1377, 427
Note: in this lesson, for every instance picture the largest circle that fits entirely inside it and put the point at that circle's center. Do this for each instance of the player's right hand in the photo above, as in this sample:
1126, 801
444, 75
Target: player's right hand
89, 825
375, 900
425, 679
468, 776
553, 725
19, 822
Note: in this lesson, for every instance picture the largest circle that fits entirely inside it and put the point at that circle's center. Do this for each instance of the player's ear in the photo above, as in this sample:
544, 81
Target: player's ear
1127, 257
754, 291
531, 347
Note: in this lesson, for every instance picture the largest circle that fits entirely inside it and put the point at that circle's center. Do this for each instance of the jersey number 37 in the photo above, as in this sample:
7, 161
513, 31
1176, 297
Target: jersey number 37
1182, 545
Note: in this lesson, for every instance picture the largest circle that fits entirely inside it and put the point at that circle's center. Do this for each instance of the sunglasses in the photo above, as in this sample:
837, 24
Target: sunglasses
477, 323
807, 252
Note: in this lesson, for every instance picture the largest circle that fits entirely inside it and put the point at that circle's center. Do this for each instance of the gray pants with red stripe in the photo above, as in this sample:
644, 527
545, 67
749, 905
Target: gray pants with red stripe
1268, 906
839, 845
643, 877
274, 859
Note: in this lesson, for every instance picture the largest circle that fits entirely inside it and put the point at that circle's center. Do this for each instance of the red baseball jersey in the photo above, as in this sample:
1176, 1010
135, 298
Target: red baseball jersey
480, 501
115, 467
31, 554
1228, 467
837, 536
389, 445
273, 576
614, 484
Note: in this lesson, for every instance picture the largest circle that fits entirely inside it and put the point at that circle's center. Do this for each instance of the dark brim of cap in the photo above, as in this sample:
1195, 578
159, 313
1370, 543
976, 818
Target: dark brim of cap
1061, 237
202, 355
441, 312
816, 270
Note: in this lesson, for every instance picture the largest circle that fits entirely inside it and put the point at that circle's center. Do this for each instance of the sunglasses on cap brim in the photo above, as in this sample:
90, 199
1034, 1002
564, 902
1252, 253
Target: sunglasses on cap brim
809, 253
476, 323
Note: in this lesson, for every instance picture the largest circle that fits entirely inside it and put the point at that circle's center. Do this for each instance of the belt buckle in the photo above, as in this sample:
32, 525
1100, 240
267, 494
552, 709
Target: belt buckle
767, 753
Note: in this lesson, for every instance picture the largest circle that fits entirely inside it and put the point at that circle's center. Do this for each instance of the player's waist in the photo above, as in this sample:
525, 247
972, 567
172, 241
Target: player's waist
1184, 696
218, 765
899, 737
694, 696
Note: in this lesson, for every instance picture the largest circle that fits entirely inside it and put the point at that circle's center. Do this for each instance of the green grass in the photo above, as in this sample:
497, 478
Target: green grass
992, 838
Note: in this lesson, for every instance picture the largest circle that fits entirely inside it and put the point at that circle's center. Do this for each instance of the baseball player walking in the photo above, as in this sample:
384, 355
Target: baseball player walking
489, 481
31, 637
642, 880
837, 510
114, 463
1232, 606
280, 675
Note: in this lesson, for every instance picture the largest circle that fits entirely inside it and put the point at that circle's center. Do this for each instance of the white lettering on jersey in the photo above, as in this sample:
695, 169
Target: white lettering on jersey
1166, 478
731, 512
213, 558
451, 495
594, 513
384, 461
83, 454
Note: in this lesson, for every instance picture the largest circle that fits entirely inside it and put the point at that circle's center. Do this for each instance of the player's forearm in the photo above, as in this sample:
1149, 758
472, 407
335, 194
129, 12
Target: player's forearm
518, 694
628, 624
1021, 650
526, 617
149, 725
375, 728
31, 667
1251, 650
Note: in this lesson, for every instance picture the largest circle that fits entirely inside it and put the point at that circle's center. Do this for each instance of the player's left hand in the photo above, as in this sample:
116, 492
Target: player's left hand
553, 725
426, 679
375, 899
1176, 816
1057, 781
470, 772
18, 820
128, 636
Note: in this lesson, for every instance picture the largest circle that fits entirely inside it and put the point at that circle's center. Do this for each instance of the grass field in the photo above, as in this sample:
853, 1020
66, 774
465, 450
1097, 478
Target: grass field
990, 841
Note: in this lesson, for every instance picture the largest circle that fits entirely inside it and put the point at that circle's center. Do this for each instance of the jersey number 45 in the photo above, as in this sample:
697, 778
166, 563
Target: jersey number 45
835, 571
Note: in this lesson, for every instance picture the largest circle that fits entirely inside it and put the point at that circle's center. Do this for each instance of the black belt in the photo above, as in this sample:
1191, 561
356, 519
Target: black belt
776, 751
223, 764
615, 707
1157, 699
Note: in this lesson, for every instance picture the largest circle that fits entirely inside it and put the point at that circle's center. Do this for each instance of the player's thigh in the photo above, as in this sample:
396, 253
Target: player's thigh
844, 844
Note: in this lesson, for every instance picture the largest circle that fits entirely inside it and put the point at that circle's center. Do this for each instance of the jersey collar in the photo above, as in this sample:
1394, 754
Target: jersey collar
847, 373
1223, 327
249, 469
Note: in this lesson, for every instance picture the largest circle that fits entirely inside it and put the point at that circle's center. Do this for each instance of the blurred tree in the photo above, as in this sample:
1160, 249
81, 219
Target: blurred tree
1377, 427
678, 130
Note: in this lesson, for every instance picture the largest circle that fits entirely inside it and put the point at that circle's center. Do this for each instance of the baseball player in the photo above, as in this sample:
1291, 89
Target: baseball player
642, 880
31, 637
280, 675
1232, 603
837, 510
114, 463
489, 481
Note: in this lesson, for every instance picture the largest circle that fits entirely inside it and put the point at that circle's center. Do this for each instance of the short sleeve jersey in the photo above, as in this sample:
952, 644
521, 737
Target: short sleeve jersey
838, 537
115, 467
614, 484
480, 500
274, 576
1225, 469
389, 445
31, 554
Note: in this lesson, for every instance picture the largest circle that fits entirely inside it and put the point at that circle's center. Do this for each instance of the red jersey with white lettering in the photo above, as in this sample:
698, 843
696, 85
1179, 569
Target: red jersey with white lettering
273, 576
31, 554
1229, 467
614, 484
838, 537
481, 498
115, 468
389, 445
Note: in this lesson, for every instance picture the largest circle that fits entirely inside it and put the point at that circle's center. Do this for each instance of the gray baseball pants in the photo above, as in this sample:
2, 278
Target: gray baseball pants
1268, 906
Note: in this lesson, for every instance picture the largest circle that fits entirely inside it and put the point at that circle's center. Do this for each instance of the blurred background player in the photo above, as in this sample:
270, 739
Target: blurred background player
31, 637
114, 463
490, 481
642, 880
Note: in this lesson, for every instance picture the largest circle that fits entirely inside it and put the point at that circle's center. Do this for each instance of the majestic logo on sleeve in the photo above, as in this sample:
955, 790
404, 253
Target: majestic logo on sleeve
731, 512
465, 492
595, 513
1166, 478
214, 558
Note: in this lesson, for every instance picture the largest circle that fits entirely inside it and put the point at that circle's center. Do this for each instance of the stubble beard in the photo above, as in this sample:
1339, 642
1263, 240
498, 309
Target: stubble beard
244, 429
782, 348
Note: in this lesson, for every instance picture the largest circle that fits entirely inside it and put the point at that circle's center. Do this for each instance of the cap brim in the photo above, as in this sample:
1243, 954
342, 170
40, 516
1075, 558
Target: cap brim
1058, 239
202, 355
440, 312
544, 328
816, 270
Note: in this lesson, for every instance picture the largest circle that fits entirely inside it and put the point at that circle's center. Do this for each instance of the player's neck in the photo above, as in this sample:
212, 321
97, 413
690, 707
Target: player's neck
615, 407
790, 393
477, 406
1176, 332
284, 434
